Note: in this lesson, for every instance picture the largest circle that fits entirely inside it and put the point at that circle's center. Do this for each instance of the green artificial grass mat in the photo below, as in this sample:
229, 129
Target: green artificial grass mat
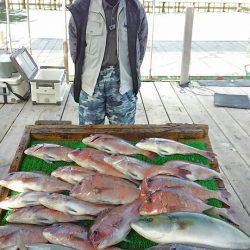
133, 240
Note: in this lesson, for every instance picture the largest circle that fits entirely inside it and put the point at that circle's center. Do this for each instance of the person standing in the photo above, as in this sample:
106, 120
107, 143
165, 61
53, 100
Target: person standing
108, 40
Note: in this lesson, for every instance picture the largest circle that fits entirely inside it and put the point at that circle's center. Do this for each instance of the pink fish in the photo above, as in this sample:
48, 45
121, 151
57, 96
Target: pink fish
172, 200
168, 147
68, 235
30, 181
72, 174
185, 170
50, 152
115, 145
40, 215
13, 235
113, 227
162, 183
93, 159
105, 189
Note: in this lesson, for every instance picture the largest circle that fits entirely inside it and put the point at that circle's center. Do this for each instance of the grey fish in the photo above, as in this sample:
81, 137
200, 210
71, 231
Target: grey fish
50, 152
40, 215
12, 235
26, 199
28, 181
191, 228
170, 147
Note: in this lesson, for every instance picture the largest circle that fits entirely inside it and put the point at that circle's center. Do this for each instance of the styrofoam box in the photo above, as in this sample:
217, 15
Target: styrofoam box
48, 86
18, 86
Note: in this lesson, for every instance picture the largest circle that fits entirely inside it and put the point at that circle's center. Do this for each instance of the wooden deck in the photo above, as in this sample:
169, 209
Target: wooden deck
160, 103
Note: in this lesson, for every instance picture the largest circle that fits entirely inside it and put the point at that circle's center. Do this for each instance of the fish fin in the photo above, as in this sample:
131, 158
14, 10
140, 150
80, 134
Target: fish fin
103, 213
208, 154
49, 159
223, 195
184, 174
43, 220
97, 190
150, 155
71, 210
29, 179
228, 214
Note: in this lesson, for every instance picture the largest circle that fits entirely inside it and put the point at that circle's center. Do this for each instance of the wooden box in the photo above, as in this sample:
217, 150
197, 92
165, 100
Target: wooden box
64, 131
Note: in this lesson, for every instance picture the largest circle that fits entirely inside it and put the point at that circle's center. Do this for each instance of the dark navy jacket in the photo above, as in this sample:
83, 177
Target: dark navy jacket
137, 39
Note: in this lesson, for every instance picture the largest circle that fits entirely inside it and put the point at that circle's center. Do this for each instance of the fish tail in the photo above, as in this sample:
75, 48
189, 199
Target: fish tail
223, 195
150, 155
228, 214
208, 154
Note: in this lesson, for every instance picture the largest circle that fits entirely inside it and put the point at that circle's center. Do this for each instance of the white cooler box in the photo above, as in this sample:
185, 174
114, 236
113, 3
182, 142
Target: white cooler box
14, 89
48, 83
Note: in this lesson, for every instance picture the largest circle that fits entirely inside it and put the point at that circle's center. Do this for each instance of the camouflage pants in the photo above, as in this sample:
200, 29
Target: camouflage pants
107, 101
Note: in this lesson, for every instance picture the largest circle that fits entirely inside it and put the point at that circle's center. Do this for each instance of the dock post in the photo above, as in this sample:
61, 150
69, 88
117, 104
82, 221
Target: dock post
8, 31
152, 43
187, 44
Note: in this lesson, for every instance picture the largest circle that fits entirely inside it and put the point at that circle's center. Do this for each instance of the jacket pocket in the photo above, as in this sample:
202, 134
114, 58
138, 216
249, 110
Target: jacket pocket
93, 34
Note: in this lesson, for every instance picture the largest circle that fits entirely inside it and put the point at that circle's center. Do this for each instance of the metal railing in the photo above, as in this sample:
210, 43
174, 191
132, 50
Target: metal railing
160, 7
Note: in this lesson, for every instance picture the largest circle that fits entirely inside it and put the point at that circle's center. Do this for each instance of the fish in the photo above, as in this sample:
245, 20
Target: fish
26, 199
40, 215
191, 228
72, 206
169, 147
105, 189
40, 246
49, 152
113, 226
12, 235
115, 145
163, 183
93, 159
72, 174
172, 200
131, 167
30, 181
68, 235
184, 170
180, 247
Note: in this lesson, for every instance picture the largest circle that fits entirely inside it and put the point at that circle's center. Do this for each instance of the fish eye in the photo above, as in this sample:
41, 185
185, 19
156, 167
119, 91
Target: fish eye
95, 232
149, 181
149, 199
148, 219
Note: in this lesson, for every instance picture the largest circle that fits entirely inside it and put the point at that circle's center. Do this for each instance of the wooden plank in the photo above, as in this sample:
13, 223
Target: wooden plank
172, 104
231, 164
29, 115
70, 112
235, 134
8, 114
241, 116
153, 106
182, 132
140, 116
17, 161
